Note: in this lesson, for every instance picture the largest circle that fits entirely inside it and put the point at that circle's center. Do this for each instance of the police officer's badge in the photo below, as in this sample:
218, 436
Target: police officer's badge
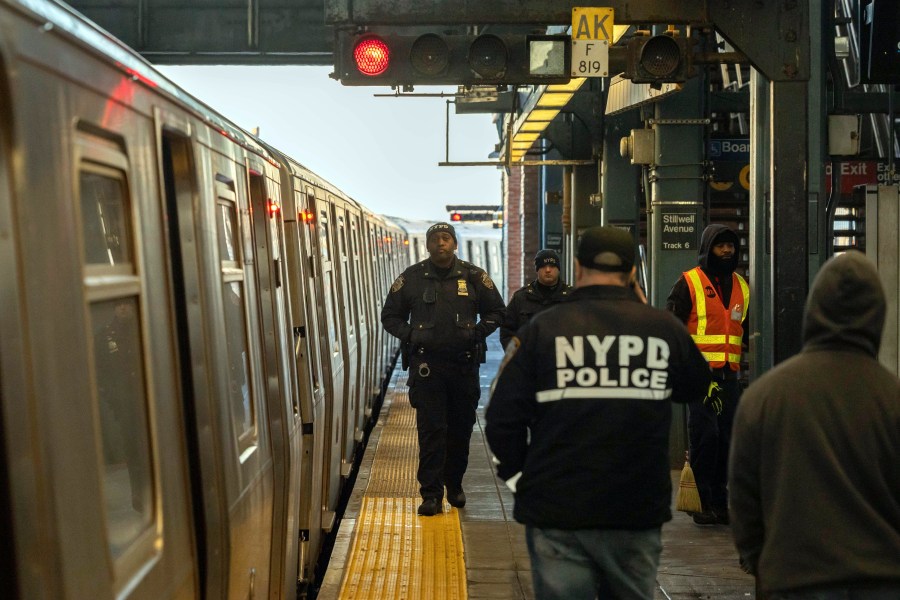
398, 283
486, 280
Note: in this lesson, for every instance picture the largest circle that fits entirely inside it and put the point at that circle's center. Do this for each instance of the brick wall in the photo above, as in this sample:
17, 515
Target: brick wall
521, 203
531, 203
512, 225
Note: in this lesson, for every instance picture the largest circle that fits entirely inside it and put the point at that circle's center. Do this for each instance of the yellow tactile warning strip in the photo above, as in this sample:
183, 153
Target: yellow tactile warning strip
396, 553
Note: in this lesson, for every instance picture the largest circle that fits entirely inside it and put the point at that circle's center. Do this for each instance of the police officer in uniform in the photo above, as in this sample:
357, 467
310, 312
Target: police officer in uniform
434, 309
546, 290
579, 420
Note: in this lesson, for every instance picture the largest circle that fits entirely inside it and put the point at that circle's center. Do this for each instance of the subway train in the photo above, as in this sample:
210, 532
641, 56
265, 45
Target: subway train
190, 345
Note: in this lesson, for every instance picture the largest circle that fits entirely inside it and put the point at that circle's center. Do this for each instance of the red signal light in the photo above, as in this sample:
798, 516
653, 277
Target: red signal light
455, 217
372, 56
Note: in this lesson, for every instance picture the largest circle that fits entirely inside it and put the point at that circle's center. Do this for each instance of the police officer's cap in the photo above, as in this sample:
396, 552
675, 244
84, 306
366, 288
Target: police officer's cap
544, 258
441, 227
606, 249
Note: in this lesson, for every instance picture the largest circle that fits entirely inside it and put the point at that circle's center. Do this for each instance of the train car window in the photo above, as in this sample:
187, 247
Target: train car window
113, 291
324, 241
107, 234
487, 258
241, 399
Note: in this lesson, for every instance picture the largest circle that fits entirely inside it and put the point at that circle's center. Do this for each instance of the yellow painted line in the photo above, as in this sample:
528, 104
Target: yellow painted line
397, 554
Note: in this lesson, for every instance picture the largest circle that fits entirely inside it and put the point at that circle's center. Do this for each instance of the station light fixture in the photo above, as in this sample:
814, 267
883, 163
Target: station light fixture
397, 59
548, 101
664, 58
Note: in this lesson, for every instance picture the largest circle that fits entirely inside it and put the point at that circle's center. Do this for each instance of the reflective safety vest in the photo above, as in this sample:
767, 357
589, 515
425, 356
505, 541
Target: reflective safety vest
718, 331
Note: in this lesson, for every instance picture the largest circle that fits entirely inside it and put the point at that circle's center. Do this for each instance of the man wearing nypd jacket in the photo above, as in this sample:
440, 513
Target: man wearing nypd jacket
578, 423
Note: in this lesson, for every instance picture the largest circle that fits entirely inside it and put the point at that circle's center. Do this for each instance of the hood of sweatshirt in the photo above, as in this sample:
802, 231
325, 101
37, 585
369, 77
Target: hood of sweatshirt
712, 235
846, 306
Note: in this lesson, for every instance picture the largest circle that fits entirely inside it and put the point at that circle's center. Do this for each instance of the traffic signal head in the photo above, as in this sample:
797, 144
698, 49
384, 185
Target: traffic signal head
659, 59
433, 58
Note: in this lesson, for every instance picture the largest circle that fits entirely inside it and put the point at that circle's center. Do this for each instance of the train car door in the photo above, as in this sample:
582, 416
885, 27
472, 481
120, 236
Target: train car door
334, 363
368, 320
282, 403
310, 341
180, 189
361, 307
349, 320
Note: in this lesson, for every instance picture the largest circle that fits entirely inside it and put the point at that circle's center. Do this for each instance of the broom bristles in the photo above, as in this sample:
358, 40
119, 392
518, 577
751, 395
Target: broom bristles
688, 498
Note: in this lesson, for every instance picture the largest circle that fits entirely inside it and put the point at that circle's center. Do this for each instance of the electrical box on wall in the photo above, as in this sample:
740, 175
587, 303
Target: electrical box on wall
639, 147
843, 135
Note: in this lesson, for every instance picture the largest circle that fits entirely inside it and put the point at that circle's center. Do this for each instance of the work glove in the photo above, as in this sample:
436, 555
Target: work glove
715, 397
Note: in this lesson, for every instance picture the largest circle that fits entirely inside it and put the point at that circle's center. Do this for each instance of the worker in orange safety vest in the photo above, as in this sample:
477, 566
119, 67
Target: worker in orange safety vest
712, 300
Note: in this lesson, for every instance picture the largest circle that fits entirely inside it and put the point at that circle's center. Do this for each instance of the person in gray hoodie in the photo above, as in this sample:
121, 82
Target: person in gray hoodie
814, 472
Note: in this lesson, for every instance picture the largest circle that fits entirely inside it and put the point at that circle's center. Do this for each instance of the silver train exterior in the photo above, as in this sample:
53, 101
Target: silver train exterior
190, 345
479, 244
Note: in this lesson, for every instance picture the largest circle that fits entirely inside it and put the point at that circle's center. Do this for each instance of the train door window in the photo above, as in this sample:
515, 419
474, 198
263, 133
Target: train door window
114, 295
324, 241
234, 307
358, 270
346, 278
329, 283
487, 258
309, 240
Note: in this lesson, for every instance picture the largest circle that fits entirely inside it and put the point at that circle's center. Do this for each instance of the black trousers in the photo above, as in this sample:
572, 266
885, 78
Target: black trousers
445, 396
710, 438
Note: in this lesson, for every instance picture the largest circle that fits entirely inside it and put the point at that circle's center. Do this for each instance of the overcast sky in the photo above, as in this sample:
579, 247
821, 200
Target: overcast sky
383, 152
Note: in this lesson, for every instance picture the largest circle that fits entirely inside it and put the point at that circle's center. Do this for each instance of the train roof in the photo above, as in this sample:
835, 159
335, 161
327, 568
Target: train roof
463, 230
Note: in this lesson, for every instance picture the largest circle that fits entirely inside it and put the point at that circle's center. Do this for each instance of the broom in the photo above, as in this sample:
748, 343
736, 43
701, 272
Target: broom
688, 498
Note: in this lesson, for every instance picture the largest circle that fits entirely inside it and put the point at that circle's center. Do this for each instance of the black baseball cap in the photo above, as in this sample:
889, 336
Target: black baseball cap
606, 249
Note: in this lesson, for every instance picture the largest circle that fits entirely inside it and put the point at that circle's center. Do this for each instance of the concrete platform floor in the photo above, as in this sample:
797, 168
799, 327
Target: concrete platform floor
696, 563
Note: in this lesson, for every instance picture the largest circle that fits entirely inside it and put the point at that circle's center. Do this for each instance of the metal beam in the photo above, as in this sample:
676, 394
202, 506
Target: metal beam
773, 34
521, 12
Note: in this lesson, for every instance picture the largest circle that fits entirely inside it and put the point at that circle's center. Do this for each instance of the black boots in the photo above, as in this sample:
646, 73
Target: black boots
431, 507
456, 497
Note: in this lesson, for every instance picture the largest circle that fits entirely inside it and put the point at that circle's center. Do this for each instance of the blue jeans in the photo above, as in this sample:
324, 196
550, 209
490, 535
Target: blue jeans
610, 564
852, 592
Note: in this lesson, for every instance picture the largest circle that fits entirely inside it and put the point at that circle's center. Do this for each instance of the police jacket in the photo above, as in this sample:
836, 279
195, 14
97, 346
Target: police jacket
580, 411
527, 302
438, 315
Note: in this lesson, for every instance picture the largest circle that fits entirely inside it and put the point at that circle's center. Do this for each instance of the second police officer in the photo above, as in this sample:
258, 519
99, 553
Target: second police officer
433, 307
546, 290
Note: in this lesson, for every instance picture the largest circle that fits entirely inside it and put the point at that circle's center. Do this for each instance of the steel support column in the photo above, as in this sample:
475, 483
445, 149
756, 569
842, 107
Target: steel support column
788, 107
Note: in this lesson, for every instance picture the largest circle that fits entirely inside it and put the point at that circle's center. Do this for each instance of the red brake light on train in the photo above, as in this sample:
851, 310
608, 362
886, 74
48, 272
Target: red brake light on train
273, 208
306, 215
455, 216
372, 56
